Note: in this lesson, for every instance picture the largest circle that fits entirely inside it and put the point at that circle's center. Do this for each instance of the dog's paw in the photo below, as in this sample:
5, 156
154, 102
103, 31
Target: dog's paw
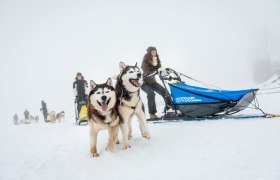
95, 154
118, 142
146, 135
109, 148
125, 147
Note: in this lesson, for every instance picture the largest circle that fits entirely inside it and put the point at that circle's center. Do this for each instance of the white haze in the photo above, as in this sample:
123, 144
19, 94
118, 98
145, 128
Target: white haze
43, 44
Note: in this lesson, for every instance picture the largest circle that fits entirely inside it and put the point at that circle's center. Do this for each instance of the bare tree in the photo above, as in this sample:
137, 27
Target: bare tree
264, 67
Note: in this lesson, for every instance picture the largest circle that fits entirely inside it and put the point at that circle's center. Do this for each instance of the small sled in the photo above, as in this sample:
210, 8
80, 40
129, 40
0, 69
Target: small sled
81, 117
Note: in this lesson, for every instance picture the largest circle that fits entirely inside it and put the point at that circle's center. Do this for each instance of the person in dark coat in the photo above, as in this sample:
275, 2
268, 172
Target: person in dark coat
80, 86
15, 118
26, 114
151, 65
44, 110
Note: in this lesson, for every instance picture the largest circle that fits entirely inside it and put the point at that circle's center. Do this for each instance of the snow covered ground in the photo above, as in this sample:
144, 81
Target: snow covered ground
230, 149
226, 149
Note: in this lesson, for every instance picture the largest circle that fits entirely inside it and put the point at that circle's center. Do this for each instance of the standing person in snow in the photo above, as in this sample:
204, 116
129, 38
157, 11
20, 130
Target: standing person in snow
15, 119
26, 114
44, 110
80, 90
151, 65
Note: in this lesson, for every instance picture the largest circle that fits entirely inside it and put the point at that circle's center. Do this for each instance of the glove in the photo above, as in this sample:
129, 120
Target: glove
169, 70
162, 71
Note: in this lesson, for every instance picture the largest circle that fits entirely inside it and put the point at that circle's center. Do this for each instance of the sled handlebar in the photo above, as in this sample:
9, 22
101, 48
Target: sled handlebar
170, 78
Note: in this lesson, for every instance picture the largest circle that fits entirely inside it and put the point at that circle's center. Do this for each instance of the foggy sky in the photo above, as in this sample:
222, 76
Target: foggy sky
43, 44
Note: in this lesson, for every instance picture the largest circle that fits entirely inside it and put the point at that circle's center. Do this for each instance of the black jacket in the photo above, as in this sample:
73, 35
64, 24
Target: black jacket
80, 85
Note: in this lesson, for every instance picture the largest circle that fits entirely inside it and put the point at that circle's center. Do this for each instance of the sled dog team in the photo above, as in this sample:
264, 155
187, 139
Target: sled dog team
112, 108
53, 117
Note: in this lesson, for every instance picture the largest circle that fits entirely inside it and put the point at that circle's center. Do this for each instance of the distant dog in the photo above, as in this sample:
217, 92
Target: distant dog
31, 119
52, 116
22, 121
60, 116
129, 102
102, 114
36, 119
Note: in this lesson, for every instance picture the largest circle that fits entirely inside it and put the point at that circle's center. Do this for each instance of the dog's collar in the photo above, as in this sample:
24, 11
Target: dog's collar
126, 91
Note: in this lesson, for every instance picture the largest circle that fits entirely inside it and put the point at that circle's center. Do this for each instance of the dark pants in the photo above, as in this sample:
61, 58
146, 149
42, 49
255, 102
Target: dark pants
80, 102
150, 89
45, 114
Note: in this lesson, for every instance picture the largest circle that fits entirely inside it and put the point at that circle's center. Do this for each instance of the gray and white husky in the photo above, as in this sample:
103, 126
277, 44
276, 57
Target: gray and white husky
129, 102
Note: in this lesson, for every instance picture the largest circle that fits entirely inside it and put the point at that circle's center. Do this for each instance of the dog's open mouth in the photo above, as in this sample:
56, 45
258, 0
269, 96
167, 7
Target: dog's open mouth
104, 105
135, 82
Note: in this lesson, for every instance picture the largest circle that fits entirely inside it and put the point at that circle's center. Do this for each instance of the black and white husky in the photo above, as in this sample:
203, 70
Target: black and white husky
102, 114
129, 102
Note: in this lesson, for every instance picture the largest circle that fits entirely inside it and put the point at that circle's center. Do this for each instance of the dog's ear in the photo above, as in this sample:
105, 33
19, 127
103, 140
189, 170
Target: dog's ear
115, 77
136, 64
92, 85
122, 66
109, 82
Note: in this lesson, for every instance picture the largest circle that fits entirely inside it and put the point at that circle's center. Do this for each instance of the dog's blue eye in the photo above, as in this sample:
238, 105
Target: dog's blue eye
98, 93
107, 92
130, 71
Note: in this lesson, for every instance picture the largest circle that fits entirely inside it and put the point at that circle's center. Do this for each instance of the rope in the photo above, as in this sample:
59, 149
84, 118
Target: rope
206, 84
269, 88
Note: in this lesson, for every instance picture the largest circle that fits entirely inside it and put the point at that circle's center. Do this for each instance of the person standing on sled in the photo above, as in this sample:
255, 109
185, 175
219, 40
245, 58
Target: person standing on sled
80, 86
151, 65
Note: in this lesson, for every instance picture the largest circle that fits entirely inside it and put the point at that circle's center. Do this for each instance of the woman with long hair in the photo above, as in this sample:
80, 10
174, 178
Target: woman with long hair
151, 64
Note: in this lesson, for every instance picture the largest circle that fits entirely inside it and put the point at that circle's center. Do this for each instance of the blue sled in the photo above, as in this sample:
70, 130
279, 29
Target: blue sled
194, 101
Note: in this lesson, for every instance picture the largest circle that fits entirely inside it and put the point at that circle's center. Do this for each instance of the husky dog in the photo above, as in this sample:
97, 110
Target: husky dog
52, 116
60, 116
102, 114
37, 119
129, 102
31, 119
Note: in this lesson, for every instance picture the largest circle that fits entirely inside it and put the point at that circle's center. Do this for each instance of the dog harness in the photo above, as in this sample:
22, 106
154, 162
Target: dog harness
131, 107
100, 118
113, 122
123, 104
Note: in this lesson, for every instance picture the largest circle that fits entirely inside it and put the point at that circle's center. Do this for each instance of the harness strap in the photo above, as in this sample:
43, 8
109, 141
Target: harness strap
107, 123
100, 117
131, 107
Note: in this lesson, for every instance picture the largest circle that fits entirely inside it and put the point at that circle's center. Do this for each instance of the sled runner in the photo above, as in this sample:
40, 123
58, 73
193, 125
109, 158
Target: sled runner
189, 102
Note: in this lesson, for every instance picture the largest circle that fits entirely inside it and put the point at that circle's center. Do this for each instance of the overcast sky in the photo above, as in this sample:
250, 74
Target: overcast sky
43, 44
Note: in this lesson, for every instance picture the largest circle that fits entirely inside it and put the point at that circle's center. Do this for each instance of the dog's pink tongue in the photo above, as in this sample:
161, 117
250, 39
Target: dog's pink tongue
137, 83
104, 106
